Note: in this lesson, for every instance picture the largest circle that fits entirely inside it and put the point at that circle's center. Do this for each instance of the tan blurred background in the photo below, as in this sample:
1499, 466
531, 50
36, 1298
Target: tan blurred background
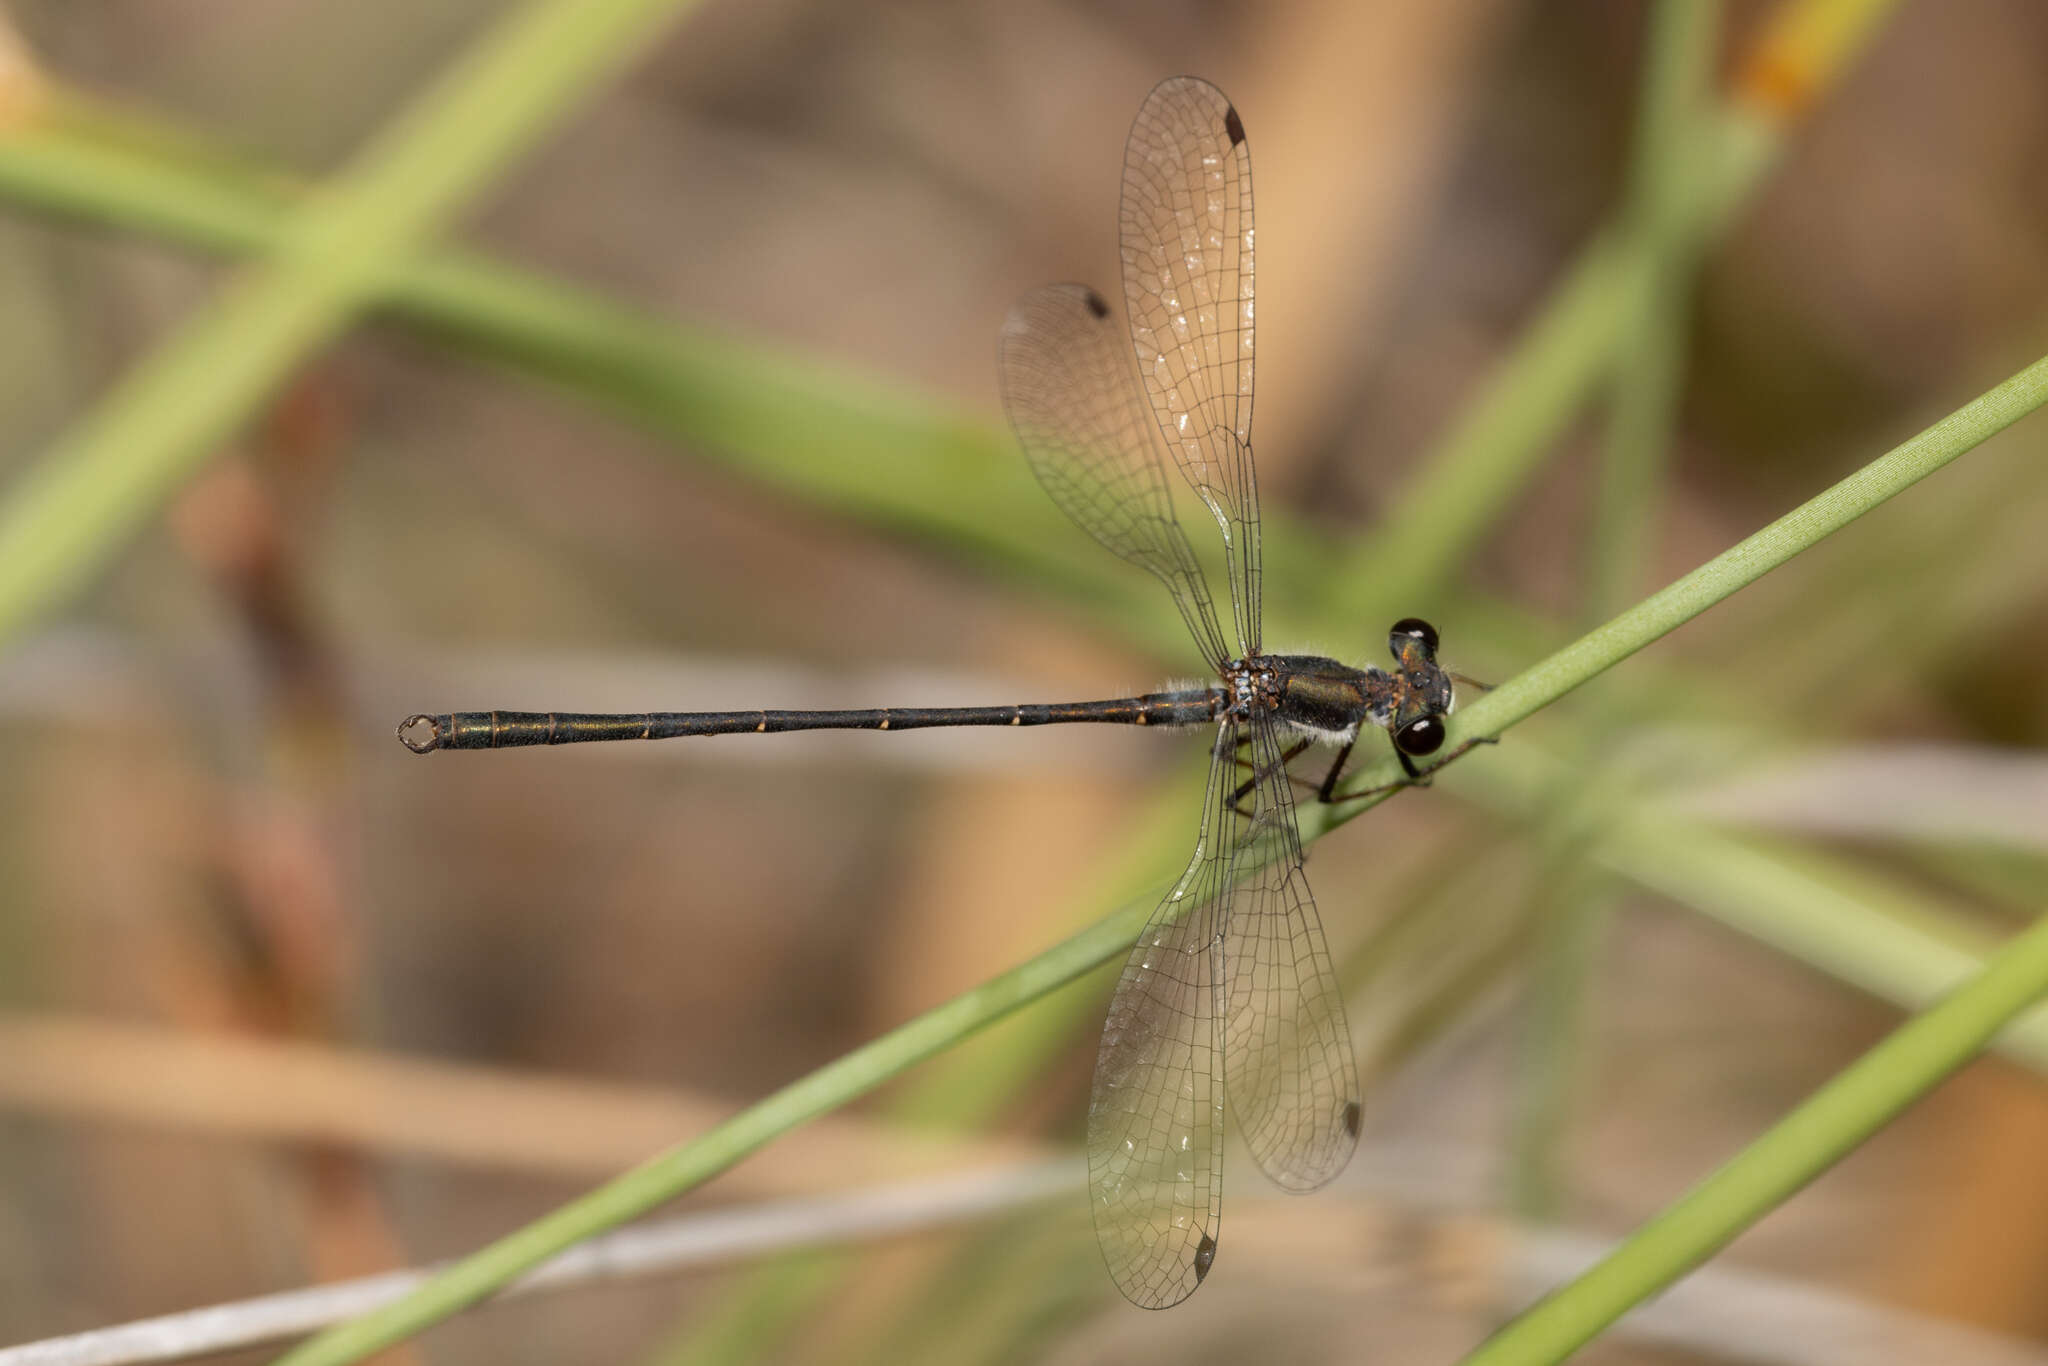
214, 843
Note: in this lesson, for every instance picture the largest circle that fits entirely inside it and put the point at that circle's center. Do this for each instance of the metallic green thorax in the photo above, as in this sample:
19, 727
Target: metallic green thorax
1332, 699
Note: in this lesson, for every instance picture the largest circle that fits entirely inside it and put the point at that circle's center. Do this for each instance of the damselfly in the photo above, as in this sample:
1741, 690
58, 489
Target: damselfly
1231, 982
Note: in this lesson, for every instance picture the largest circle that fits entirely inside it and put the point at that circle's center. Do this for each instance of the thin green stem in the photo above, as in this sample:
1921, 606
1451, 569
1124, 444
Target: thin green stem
1649, 365
1814, 908
1732, 570
1571, 909
1838, 1117
1464, 485
1475, 471
101, 480
1647, 374
827, 434
962, 1091
671, 1173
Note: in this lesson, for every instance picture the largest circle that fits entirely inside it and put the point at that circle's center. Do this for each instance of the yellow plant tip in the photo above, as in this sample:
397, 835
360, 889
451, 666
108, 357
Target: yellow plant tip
1801, 52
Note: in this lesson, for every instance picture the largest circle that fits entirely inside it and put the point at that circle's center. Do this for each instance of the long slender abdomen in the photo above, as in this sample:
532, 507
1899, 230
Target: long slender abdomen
509, 729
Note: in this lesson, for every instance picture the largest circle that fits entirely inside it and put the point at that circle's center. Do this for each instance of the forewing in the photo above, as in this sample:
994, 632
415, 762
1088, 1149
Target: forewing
1155, 1117
1287, 1048
1073, 402
1186, 233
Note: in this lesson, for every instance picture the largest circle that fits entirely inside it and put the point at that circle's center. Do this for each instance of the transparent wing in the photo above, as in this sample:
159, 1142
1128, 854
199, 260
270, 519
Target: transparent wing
1287, 1049
1071, 397
1186, 232
1155, 1116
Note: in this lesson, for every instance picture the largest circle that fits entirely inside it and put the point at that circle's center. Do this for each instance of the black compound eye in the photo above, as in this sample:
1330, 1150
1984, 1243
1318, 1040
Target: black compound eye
1423, 735
1415, 628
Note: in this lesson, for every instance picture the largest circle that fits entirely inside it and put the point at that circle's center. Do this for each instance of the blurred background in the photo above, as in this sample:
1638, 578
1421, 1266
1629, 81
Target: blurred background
284, 1003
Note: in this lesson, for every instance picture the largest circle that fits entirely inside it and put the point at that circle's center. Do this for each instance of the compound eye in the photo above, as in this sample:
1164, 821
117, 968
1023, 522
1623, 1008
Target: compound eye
1415, 628
1423, 735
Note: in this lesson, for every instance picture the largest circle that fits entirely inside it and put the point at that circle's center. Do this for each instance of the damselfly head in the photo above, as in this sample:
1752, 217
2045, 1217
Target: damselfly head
1423, 690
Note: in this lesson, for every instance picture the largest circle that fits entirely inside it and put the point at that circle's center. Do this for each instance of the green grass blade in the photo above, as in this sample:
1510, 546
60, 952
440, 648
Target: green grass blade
1842, 1114
1856, 927
1469, 480
854, 443
101, 480
1648, 373
1732, 570
1649, 366
1475, 472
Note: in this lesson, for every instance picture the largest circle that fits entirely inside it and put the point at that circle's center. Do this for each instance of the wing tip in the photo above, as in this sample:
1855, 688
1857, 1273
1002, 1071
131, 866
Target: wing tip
1177, 88
1155, 1283
1312, 1172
